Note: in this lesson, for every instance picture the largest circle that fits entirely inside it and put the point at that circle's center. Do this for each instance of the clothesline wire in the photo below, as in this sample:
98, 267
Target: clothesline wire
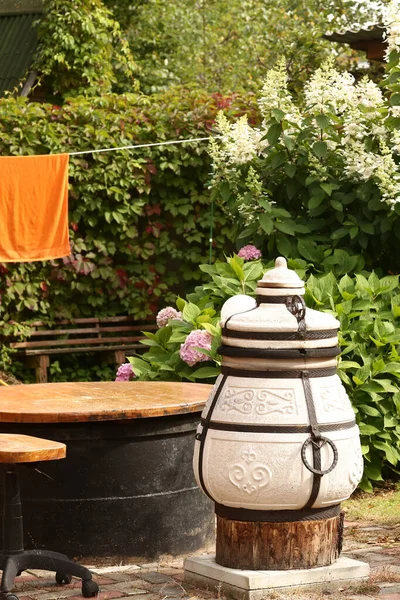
168, 143
203, 139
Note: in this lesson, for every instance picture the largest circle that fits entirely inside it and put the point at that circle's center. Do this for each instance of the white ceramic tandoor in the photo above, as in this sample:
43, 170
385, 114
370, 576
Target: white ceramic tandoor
278, 431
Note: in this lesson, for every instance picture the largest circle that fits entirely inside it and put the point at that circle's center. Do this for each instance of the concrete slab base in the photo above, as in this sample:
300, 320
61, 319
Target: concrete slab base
204, 572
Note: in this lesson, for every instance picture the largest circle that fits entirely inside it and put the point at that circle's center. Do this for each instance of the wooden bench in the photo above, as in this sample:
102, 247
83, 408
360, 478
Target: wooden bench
112, 336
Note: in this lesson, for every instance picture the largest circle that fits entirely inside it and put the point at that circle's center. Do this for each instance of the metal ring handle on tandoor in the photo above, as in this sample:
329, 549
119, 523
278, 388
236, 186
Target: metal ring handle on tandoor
324, 441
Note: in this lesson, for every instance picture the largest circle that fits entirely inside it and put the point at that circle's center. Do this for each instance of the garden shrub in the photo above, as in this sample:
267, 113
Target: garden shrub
321, 175
82, 50
139, 220
368, 308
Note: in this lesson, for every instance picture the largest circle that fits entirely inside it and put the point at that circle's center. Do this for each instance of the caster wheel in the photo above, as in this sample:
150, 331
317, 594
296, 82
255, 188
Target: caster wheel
5, 596
63, 578
89, 588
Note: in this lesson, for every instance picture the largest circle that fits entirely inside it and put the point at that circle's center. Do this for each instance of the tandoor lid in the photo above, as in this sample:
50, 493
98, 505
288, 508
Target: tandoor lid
279, 310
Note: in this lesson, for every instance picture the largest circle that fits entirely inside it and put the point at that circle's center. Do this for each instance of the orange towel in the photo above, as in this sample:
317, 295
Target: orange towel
33, 207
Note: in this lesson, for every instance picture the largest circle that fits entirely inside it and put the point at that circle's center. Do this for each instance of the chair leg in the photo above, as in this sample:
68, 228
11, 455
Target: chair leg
14, 559
47, 561
53, 561
10, 570
13, 543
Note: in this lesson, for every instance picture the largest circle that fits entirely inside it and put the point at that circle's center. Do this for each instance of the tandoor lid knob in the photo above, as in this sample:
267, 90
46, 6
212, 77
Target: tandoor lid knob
281, 277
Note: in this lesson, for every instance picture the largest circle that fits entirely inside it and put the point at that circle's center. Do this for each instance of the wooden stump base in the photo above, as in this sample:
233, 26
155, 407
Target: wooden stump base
270, 546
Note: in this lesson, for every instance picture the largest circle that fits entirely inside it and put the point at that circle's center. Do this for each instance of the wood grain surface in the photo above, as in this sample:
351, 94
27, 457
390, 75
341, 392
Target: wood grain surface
15, 448
99, 401
277, 546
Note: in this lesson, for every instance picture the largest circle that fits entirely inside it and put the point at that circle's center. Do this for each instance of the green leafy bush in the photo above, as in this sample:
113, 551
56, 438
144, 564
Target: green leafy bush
368, 309
82, 50
163, 360
228, 45
139, 220
320, 179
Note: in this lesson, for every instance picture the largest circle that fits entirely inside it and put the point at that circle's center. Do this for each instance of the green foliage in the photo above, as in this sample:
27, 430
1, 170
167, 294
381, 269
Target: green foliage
224, 46
368, 308
320, 178
82, 50
163, 362
139, 220
69, 367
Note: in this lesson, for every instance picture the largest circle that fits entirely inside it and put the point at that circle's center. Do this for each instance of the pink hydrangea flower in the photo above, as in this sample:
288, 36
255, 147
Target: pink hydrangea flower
195, 339
125, 373
249, 252
166, 314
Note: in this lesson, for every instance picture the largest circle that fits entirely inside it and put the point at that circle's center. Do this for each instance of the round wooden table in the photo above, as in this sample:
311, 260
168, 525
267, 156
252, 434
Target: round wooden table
126, 487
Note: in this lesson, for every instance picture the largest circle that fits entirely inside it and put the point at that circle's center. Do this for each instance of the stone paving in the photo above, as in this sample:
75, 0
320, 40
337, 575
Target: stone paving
164, 580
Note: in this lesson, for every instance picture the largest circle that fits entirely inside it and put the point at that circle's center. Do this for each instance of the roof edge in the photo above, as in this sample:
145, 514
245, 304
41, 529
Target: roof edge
20, 7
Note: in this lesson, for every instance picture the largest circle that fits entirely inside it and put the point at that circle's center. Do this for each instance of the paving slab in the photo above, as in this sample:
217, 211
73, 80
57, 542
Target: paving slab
155, 577
163, 580
142, 597
115, 569
130, 588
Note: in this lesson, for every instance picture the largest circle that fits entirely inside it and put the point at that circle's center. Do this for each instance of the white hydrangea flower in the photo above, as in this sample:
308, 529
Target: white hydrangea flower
353, 128
369, 94
222, 124
392, 21
275, 95
394, 111
239, 142
359, 164
243, 143
328, 90
396, 141
378, 131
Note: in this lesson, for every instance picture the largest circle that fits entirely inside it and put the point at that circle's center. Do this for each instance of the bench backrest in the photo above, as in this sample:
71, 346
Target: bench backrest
92, 332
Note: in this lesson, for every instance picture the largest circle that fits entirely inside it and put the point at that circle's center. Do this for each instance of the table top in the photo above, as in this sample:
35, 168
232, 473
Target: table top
99, 401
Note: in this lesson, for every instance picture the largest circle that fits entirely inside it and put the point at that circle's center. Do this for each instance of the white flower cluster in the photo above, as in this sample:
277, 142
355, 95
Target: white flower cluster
369, 95
363, 116
344, 131
362, 165
329, 91
392, 22
275, 95
240, 143
396, 141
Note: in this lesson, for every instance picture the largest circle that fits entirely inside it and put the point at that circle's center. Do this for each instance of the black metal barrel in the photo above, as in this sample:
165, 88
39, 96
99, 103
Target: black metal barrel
126, 488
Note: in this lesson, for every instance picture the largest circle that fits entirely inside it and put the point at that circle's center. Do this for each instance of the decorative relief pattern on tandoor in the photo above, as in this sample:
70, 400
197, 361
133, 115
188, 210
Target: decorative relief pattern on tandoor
357, 468
334, 398
259, 401
247, 474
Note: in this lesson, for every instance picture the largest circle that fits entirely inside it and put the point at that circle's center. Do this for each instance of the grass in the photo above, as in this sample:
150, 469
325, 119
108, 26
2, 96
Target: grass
380, 508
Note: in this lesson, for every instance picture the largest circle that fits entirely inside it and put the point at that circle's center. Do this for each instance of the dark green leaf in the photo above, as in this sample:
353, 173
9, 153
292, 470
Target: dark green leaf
320, 149
274, 133
278, 159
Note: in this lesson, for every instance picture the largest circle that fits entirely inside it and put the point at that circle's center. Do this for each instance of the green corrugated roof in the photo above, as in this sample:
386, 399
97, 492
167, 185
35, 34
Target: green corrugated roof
18, 43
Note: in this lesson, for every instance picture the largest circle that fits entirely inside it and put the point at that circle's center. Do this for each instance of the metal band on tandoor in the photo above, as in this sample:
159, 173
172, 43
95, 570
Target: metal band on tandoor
294, 374
276, 516
201, 437
278, 336
243, 428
